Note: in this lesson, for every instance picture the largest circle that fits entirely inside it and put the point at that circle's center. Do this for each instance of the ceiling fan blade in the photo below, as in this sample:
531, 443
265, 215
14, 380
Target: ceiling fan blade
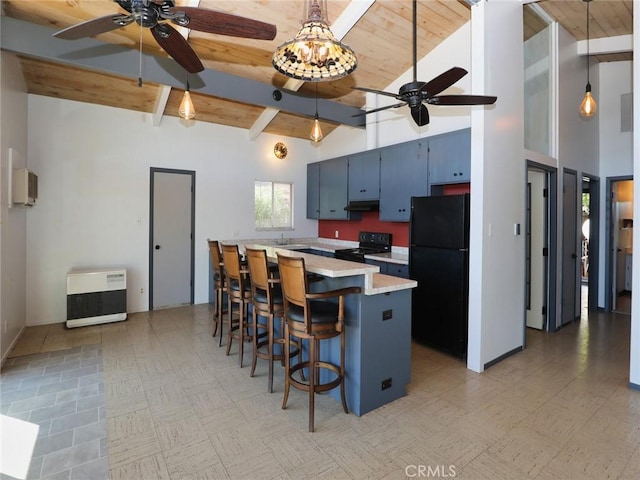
396, 105
176, 46
379, 92
210, 21
94, 27
420, 115
443, 81
462, 100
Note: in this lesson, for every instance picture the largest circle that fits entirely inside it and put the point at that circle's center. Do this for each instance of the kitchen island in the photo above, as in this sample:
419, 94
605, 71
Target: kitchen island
378, 328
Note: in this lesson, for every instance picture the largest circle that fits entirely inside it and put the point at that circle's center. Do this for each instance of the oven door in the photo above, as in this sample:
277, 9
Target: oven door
350, 255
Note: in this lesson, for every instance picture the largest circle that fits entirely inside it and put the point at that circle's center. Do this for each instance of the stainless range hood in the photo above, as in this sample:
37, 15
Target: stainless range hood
363, 206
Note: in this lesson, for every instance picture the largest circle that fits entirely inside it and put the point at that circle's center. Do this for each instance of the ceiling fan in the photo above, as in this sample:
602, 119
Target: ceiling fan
153, 14
415, 94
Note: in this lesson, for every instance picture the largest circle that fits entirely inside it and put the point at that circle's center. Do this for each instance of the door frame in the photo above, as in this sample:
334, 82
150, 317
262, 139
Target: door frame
608, 298
551, 268
192, 174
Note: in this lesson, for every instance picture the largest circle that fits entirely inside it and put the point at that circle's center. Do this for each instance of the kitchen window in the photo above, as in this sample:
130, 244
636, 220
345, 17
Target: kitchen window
273, 205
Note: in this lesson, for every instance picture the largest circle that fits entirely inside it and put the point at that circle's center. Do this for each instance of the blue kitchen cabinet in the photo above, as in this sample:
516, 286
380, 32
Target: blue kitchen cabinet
364, 176
403, 174
450, 158
313, 190
334, 186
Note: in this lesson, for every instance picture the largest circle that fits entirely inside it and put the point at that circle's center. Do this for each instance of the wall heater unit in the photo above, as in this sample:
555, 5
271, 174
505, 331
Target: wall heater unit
96, 296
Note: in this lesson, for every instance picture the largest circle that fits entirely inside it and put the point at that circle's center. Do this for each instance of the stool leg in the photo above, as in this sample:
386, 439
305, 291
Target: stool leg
342, 373
254, 357
270, 351
230, 313
312, 381
219, 302
287, 347
241, 327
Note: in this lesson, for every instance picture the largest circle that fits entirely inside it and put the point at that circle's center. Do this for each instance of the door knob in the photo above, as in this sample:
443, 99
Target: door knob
157, 247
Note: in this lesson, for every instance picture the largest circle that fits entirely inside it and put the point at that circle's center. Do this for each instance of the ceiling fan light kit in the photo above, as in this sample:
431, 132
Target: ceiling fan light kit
588, 106
314, 54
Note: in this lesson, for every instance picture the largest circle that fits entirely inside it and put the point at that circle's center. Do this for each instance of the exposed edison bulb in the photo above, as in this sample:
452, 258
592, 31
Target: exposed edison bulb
316, 131
187, 110
588, 107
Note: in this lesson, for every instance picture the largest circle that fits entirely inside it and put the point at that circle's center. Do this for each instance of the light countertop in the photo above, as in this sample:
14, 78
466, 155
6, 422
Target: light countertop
375, 282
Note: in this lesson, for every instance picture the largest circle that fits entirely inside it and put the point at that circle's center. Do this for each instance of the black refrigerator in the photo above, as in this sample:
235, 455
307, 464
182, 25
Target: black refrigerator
439, 262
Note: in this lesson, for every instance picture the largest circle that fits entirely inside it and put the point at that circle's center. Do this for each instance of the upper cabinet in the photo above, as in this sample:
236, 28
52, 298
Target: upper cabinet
364, 176
403, 174
313, 190
334, 185
390, 174
450, 158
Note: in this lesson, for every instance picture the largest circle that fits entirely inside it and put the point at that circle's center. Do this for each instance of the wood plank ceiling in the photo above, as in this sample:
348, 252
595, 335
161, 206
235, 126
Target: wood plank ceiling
381, 38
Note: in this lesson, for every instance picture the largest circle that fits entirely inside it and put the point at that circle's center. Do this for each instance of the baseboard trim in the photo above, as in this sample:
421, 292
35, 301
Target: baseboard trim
502, 357
13, 344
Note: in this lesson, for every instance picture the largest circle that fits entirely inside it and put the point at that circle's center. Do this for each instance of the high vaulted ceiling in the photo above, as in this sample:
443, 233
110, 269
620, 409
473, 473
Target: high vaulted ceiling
237, 86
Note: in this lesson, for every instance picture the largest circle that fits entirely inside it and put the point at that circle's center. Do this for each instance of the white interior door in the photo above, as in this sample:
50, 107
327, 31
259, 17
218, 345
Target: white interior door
536, 311
172, 239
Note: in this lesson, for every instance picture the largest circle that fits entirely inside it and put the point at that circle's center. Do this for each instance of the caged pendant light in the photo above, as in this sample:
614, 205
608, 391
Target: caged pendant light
314, 54
588, 107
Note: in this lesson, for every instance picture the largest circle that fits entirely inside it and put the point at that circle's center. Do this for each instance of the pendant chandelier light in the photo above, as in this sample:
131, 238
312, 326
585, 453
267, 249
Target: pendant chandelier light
187, 110
314, 54
316, 132
588, 107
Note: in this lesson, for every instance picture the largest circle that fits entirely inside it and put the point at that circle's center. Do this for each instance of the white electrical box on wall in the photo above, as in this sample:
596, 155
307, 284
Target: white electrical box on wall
96, 296
25, 187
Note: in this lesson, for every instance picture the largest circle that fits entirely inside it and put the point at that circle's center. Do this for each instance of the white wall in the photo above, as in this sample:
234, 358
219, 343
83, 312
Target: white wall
13, 252
498, 174
396, 125
634, 361
616, 147
93, 164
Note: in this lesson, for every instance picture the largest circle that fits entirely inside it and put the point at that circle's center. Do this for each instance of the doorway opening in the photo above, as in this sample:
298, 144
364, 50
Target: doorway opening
589, 243
620, 240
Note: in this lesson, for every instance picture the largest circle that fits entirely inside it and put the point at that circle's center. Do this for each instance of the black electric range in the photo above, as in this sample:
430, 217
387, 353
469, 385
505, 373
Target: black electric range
368, 243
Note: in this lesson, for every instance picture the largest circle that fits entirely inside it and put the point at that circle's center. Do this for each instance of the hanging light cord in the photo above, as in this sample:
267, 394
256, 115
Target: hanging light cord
588, 2
140, 60
316, 100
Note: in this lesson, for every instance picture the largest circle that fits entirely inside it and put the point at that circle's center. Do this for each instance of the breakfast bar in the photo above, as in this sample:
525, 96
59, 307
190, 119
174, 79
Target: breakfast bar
378, 327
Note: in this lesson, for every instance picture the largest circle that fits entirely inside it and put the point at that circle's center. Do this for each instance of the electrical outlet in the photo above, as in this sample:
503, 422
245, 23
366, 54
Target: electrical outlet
141, 291
386, 383
387, 314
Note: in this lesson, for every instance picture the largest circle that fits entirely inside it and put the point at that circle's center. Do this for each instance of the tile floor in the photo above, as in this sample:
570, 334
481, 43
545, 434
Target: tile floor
178, 408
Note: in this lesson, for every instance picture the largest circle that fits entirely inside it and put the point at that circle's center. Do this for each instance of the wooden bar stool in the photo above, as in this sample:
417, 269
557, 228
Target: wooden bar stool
219, 288
239, 294
266, 296
310, 316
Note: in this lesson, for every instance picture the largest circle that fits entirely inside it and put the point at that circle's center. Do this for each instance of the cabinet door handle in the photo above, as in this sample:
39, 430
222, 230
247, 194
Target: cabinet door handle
332, 211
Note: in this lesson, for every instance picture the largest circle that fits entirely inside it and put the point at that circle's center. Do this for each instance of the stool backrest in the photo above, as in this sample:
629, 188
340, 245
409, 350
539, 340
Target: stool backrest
293, 279
258, 271
231, 260
216, 257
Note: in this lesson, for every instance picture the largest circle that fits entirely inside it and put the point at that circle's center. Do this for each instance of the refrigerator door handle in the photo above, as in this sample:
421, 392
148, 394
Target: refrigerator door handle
463, 249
